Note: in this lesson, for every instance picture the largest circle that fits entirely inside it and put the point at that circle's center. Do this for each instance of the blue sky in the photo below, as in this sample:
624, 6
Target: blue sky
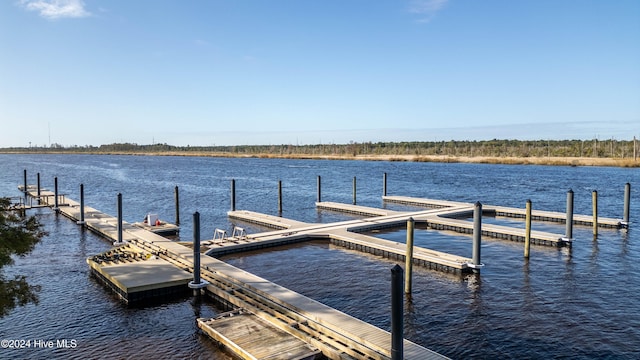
228, 72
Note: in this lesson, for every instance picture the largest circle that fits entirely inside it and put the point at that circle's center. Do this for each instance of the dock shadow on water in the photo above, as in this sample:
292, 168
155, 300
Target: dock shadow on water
577, 303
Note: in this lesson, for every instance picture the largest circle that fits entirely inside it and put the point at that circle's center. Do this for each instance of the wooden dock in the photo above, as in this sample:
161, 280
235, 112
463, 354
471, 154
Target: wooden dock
337, 335
346, 234
537, 215
550, 216
136, 276
448, 218
355, 209
251, 338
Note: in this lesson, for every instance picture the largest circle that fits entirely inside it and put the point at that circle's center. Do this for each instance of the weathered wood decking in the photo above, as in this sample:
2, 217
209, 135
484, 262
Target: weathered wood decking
252, 338
137, 276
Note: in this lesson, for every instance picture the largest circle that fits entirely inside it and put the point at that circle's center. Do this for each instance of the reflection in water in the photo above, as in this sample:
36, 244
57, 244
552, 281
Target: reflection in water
594, 251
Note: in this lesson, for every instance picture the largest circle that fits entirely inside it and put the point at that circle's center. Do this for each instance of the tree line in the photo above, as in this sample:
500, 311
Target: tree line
595, 148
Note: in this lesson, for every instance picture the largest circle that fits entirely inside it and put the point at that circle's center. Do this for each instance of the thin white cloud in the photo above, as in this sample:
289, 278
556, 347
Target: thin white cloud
426, 9
56, 9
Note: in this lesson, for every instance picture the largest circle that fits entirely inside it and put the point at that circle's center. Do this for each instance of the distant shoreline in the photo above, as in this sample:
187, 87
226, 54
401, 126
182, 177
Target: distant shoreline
508, 160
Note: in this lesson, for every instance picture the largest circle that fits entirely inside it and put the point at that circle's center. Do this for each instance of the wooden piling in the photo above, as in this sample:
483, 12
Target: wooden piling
409, 256
594, 200
319, 190
397, 314
627, 201
477, 234
176, 197
569, 221
527, 232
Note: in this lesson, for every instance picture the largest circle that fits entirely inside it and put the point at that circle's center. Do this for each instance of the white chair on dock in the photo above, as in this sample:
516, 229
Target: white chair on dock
219, 235
239, 233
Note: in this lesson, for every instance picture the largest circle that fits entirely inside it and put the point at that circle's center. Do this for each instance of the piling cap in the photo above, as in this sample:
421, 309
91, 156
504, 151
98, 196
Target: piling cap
396, 269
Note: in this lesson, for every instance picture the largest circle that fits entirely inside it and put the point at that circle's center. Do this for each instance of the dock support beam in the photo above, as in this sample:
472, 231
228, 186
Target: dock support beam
627, 201
280, 197
176, 197
409, 257
569, 223
594, 201
384, 184
397, 314
81, 222
527, 231
119, 242
354, 190
319, 190
477, 236
233, 194
55, 195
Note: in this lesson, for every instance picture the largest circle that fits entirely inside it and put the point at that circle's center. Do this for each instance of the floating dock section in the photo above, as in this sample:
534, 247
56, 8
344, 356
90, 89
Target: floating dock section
138, 276
537, 215
253, 338
345, 234
447, 216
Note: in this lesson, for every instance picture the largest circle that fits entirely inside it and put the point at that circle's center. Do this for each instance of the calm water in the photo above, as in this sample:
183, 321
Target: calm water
575, 304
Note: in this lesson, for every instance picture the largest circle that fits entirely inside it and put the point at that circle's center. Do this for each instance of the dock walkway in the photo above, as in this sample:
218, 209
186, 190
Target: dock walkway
253, 338
346, 234
337, 335
538, 215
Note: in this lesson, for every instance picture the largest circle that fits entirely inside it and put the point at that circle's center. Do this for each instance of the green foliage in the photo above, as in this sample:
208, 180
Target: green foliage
610, 148
18, 236
16, 292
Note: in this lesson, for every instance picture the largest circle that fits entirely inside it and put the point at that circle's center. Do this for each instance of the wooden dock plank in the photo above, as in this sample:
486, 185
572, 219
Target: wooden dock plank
352, 328
144, 275
252, 338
